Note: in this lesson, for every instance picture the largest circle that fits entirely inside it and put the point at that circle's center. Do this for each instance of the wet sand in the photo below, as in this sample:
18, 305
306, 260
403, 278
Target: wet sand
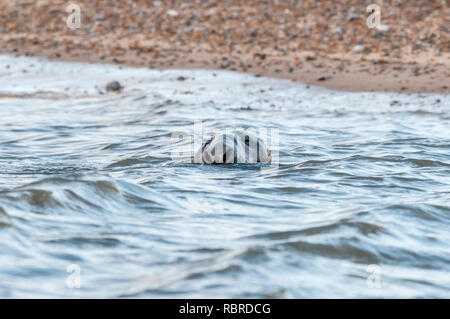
326, 44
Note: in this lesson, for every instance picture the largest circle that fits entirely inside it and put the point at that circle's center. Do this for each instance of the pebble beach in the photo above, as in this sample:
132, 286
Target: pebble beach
325, 43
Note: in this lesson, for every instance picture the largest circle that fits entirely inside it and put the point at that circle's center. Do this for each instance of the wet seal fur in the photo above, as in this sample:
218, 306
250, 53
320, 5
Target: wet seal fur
232, 148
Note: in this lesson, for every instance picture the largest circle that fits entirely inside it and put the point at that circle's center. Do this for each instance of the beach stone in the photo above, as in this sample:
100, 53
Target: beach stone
352, 16
172, 13
416, 71
417, 47
324, 78
395, 102
358, 48
382, 27
114, 86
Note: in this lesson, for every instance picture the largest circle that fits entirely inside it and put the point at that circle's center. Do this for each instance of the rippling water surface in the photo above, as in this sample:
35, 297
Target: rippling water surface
89, 178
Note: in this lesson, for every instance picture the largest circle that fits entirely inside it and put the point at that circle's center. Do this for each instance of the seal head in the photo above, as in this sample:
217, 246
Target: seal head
232, 148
